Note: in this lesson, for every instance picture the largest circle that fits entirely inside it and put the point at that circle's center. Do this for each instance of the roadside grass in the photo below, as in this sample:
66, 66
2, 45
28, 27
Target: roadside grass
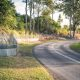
23, 66
76, 47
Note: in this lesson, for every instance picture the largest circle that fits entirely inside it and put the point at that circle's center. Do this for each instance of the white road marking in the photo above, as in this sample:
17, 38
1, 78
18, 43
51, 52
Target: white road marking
74, 60
52, 47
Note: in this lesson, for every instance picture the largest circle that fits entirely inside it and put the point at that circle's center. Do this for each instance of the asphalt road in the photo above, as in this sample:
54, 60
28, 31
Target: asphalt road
59, 59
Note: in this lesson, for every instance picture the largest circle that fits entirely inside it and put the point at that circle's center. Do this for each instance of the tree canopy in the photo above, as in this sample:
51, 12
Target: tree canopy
71, 8
7, 13
40, 19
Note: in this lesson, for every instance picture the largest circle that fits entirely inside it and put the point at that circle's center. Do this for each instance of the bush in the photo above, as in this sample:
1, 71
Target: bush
63, 32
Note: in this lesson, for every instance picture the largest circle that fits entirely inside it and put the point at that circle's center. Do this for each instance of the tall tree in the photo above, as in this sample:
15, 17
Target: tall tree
51, 5
40, 8
72, 9
26, 16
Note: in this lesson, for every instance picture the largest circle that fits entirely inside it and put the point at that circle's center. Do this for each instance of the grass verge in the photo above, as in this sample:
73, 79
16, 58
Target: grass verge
76, 47
22, 67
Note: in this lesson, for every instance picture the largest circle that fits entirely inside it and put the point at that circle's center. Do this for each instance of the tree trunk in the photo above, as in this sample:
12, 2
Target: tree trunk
52, 14
38, 19
34, 19
70, 26
26, 19
30, 16
74, 30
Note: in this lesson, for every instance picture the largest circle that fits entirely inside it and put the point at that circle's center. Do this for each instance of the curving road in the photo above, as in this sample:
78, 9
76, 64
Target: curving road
59, 59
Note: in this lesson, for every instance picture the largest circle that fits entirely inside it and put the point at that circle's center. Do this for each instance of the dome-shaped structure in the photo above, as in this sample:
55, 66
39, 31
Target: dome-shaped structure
8, 44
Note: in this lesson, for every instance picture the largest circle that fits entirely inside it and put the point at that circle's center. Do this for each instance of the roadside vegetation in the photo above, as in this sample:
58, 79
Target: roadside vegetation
43, 26
23, 66
42, 23
75, 47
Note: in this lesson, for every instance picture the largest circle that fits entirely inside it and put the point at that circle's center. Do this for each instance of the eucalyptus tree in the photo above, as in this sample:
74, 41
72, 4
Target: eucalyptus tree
51, 5
34, 6
72, 9
38, 7
28, 5
43, 5
33, 21
47, 19
26, 16
52, 8
26, 8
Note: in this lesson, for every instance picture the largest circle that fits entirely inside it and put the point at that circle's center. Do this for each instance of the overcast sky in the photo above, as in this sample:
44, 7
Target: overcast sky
20, 6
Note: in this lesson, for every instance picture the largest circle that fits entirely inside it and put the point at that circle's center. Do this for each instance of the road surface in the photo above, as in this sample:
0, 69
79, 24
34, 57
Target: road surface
59, 59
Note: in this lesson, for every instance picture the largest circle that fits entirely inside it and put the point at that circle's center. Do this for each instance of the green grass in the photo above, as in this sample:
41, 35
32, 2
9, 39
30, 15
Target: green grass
75, 47
23, 67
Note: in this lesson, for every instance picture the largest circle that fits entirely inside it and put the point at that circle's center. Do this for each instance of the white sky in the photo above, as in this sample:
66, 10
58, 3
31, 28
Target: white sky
20, 8
65, 21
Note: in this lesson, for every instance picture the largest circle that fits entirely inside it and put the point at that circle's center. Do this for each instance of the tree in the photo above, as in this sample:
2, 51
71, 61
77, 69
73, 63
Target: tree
26, 16
42, 9
3, 9
51, 5
72, 9
30, 4
20, 21
7, 14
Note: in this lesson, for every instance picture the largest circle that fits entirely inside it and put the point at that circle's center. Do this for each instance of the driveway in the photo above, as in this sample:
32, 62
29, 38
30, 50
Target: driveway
63, 63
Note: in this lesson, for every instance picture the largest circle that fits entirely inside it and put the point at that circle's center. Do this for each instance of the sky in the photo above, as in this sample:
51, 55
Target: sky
20, 8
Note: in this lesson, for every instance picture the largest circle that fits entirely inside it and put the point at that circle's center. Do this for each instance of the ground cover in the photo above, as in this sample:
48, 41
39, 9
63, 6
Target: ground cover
76, 47
23, 66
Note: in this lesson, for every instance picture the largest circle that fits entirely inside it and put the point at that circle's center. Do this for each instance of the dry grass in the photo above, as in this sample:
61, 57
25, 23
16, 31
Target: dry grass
23, 66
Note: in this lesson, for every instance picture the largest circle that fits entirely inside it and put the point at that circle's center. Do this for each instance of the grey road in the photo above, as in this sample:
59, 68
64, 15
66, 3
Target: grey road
59, 59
